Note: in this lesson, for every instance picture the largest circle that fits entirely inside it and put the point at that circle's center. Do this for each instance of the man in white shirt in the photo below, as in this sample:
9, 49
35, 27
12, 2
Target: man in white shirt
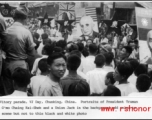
88, 62
104, 39
96, 77
45, 40
21, 78
47, 49
143, 84
108, 62
36, 81
121, 74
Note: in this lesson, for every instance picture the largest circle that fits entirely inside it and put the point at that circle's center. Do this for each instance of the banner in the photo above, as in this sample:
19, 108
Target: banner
76, 108
144, 25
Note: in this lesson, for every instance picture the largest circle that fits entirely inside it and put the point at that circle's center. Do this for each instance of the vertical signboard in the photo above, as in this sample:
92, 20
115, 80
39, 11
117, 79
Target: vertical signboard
144, 25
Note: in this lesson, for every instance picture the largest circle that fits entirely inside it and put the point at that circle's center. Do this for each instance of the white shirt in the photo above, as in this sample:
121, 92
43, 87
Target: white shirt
115, 43
134, 94
108, 68
50, 88
134, 54
149, 91
96, 80
35, 69
40, 48
35, 83
132, 79
104, 40
124, 41
80, 68
126, 89
88, 64
17, 93
40, 32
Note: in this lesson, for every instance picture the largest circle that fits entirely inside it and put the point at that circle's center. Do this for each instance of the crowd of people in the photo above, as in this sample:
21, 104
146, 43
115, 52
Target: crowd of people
32, 64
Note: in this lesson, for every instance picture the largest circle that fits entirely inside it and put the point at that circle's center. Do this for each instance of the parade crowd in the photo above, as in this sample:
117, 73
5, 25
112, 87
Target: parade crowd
39, 60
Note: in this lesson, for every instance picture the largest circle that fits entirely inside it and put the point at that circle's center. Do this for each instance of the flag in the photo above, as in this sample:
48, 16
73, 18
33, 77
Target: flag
144, 22
79, 13
91, 11
69, 9
78, 19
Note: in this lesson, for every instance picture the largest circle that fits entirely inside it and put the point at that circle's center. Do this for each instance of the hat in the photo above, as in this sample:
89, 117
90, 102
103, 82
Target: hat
22, 10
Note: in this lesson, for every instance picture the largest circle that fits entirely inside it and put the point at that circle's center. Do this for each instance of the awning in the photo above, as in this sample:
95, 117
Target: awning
44, 4
147, 5
129, 5
12, 4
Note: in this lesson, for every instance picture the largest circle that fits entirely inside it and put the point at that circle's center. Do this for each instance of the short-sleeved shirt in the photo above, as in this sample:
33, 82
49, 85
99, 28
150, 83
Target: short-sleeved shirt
88, 64
126, 89
19, 42
50, 88
36, 82
96, 80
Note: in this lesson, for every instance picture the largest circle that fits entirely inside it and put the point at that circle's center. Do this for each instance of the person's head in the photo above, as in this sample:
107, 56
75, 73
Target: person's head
111, 91
48, 49
61, 43
57, 49
35, 39
76, 52
45, 38
86, 24
88, 42
141, 69
56, 64
80, 46
143, 83
36, 35
42, 65
99, 60
21, 78
79, 88
125, 34
125, 52
21, 14
122, 71
108, 57
114, 24
120, 46
131, 44
134, 63
102, 36
109, 79
73, 47
73, 62
93, 49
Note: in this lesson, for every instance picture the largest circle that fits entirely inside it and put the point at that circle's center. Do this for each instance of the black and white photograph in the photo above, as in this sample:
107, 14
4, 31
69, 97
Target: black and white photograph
94, 49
